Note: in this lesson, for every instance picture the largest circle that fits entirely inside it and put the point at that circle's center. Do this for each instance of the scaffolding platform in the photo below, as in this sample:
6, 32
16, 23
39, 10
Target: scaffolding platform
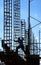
33, 60
12, 59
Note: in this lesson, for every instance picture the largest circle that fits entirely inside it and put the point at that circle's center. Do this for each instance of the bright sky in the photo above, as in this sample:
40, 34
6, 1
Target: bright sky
35, 11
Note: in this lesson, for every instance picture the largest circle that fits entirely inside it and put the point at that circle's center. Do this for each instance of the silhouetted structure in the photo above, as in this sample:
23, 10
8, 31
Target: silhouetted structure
11, 58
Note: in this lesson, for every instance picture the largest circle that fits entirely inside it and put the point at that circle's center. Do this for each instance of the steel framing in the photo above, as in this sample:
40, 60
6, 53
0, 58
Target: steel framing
16, 21
8, 22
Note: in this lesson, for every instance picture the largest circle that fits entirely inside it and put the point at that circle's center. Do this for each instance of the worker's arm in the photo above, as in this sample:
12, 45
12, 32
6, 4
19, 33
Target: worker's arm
15, 40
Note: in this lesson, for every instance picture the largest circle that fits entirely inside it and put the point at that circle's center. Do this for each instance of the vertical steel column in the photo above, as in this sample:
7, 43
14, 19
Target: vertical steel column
39, 42
33, 44
36, 46
29, 25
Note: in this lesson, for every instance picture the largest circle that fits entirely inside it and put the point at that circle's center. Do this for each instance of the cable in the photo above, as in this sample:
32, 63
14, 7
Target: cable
35, 19
36, 24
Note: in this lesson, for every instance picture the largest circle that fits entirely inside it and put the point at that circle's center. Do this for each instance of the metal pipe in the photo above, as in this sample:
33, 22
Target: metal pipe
29, 25
39, 42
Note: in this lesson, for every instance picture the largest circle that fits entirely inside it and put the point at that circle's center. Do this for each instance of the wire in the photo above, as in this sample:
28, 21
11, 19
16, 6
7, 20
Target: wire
36, 20
35, 25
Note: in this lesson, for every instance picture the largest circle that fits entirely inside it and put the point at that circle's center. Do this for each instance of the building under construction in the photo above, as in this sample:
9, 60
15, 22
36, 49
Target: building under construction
8, 23
17, 23
8, 56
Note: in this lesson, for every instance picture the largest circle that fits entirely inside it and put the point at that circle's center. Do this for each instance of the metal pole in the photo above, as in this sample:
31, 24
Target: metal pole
39, 42
36, 46
29, 25
28, 14
33, 44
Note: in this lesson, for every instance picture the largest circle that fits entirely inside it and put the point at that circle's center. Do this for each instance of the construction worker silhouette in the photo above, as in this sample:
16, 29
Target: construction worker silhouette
20, 41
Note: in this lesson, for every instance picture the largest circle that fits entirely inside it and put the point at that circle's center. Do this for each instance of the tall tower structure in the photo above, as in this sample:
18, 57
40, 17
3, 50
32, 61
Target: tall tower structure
23, 31
8, 22
17, 23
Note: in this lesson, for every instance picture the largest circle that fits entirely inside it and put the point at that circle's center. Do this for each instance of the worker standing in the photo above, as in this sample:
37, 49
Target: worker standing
20, 41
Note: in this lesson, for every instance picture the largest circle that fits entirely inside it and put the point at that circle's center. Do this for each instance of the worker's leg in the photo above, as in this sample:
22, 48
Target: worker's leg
17, 49
22, 47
